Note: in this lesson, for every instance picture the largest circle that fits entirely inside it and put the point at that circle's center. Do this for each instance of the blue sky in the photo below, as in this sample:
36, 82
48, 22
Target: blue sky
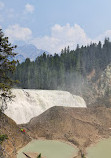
52, 25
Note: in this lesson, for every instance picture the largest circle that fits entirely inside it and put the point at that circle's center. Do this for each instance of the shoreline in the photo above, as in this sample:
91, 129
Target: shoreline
58, 140
84, 149
95, 143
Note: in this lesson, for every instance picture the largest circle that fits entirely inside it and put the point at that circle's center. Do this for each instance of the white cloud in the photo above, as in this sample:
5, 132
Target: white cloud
50, 44
106, 34
29, 8
1, 5
62, 36
16, 32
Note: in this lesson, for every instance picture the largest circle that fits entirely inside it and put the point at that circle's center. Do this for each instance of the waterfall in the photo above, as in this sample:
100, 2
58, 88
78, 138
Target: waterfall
30, 103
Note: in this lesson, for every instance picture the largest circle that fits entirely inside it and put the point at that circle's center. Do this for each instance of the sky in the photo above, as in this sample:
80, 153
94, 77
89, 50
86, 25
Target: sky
54, 24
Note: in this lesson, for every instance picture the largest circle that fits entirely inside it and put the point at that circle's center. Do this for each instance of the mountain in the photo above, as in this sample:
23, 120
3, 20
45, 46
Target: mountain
28, 51
20, 58
80, 126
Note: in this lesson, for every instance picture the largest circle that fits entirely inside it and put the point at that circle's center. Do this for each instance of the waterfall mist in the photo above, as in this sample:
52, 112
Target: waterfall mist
30, 103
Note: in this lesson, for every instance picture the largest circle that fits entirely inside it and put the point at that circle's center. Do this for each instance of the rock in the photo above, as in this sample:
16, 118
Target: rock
15, 140
80, 126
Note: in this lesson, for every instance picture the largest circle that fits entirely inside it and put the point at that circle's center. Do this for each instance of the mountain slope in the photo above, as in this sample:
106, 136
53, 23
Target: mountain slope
16, 139
81, 126
28, 51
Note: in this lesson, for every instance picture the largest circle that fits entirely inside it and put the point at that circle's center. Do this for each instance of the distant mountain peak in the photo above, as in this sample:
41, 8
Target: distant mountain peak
28, 51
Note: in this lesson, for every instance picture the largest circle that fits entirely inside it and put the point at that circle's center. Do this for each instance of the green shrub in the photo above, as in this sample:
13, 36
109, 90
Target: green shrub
39, 156
3, 137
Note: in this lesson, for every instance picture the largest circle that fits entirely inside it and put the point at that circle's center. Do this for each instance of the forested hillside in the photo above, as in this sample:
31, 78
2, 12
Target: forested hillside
71, 70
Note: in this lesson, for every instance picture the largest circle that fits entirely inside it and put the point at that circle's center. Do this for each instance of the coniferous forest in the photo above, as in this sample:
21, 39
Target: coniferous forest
67, 71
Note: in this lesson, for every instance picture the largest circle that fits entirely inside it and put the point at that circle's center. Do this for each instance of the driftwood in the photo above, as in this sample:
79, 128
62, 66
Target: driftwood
26, 155
31, 155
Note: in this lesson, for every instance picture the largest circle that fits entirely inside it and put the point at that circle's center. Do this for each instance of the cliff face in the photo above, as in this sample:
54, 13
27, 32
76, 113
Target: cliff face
102, 88
15, 140
97, 91
104, 83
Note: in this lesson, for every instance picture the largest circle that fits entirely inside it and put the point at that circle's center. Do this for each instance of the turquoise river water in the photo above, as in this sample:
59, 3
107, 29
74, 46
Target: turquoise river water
49, 149
100, 150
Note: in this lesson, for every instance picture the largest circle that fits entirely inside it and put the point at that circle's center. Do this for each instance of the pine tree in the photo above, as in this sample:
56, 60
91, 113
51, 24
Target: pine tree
7, 67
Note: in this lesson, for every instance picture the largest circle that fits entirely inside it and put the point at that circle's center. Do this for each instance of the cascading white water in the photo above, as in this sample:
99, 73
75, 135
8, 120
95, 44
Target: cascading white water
30, 103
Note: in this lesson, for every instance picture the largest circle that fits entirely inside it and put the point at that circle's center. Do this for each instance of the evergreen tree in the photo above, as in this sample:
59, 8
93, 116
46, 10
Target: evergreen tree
67, 71
7, 65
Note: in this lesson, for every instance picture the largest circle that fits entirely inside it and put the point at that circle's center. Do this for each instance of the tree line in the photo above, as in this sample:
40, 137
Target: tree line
67, 70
